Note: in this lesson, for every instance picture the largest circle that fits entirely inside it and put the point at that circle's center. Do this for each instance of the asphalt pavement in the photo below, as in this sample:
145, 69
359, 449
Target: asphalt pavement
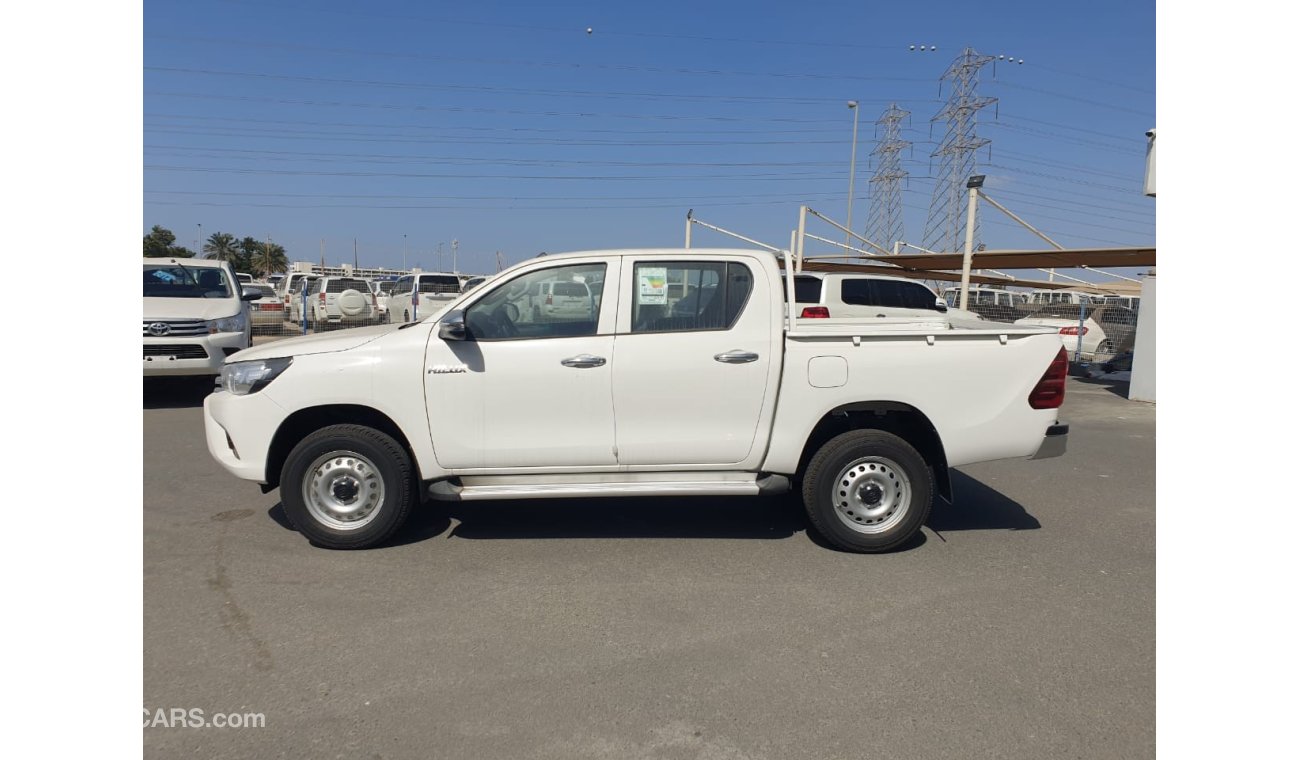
1021, 625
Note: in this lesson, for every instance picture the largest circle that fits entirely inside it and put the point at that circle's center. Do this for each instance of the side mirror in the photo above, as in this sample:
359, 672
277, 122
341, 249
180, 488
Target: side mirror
452, 326
941, 305
249, 294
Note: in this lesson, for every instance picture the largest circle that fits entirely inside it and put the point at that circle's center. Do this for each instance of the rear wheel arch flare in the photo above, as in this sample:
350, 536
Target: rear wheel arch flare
903, 420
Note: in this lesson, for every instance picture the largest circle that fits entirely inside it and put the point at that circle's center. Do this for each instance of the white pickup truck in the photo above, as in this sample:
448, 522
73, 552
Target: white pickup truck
683, 379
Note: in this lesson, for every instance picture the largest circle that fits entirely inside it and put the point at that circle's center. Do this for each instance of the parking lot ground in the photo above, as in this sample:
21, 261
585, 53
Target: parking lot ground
1021, 626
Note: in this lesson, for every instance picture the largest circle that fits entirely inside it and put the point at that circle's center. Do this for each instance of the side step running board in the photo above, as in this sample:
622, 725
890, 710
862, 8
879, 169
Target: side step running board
524, 488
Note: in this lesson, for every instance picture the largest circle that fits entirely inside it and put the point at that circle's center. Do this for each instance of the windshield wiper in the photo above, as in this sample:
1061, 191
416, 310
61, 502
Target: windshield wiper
190, 275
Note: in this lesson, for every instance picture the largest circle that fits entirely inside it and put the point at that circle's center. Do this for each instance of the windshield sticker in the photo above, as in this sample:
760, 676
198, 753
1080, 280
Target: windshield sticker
653, 285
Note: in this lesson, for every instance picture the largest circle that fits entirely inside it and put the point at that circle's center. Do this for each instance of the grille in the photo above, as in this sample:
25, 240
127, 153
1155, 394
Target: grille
178, 350
179, 326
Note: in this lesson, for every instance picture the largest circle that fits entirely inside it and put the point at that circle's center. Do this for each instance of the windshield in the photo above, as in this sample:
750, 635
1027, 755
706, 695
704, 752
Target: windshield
178, 281
387, 287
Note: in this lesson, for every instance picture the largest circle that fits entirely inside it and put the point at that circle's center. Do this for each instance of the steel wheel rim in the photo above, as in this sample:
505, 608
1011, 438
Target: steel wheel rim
871, 494
343, 490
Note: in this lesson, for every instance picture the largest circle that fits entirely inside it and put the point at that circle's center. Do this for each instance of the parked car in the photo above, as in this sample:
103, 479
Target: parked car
1106, 330
355, 427
341, 302
416, 296
244, 278
291, 290
195, 315
267, 312
870, 296
1128, 302
560, 300
383, 289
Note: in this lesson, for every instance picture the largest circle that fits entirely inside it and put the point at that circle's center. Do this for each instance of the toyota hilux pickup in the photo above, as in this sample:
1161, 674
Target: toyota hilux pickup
685, 377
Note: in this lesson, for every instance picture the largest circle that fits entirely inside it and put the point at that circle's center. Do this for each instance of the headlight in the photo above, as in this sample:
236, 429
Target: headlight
243, 378
229, 324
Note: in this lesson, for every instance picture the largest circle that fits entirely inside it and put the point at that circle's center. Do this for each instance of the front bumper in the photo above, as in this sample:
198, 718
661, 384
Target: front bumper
190, 355
239, 430
1053, 442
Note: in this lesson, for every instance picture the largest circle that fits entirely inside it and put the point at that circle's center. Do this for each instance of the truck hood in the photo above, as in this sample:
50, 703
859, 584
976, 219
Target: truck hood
190, 308
322, 343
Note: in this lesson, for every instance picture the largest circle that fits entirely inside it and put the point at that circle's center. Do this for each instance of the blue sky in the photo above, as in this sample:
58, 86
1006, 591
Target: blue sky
507, 127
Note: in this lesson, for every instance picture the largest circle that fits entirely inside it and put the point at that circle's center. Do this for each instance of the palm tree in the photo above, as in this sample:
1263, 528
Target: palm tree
220, 246
270, 257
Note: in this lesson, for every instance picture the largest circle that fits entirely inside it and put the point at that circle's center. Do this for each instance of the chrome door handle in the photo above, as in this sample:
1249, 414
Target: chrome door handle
736, 356
583, 361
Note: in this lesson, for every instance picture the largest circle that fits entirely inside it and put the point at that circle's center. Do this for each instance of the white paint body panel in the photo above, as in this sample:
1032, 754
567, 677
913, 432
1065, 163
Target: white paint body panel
516, 411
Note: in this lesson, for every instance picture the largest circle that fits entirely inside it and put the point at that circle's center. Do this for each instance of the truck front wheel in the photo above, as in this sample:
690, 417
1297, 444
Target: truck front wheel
347, 487
867, 491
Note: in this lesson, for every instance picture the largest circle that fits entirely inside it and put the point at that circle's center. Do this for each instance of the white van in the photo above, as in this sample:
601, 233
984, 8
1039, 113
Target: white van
195, 315
416, 296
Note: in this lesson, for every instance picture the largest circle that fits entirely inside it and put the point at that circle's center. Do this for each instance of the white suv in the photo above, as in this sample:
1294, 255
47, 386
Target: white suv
416, 296
290, 290
195, 315
341, 302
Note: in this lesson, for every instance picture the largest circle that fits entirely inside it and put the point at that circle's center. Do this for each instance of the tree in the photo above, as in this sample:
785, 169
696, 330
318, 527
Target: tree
222, 247
262, 258
160, 242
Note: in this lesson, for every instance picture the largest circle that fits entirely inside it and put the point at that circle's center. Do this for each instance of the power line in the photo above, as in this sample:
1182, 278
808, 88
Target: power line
524, 91
1077, 99
597, 178
277, 134
385, 196
299, 122
463, 109
281, 46
263, 155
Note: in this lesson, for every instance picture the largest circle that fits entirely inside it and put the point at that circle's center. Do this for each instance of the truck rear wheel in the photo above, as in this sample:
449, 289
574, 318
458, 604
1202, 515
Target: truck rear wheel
347, 487
867, 491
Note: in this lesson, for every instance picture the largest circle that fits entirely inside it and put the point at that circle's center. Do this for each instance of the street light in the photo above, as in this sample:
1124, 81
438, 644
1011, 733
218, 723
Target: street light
853, 162
403, 252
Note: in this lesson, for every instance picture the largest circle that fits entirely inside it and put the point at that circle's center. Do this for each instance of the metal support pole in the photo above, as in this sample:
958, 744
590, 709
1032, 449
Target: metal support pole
790, 304
853, 163
798, 248
1078, 346
848, 232
972, 199
688, 227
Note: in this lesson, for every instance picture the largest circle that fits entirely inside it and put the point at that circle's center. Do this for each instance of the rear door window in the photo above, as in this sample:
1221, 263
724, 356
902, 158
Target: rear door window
677, 296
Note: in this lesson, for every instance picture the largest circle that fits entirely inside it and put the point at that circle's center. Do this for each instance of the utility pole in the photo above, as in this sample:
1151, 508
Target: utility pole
853, 163
266, 258
198, 249
956, 152
322, 255
404, 252
454, 245
439, 257
886, 194
356, 263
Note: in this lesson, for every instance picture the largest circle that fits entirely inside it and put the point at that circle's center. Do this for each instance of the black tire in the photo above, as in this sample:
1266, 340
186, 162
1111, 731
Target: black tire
406, 316
819, 490
394, 469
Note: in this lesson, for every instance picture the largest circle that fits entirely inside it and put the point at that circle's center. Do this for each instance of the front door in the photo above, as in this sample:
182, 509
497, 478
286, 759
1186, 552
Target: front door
526, 390
692, 360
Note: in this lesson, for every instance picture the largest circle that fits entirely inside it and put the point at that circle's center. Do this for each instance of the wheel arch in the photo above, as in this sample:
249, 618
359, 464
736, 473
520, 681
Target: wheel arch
903, 420
304, 422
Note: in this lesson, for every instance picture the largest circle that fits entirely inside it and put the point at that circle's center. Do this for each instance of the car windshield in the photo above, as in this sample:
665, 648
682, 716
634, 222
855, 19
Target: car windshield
386, 287
179, 281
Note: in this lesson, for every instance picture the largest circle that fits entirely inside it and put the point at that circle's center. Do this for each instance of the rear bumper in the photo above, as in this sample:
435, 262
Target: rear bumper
1054, 440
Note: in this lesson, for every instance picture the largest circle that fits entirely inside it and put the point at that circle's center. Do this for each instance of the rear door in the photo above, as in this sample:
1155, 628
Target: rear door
692, 363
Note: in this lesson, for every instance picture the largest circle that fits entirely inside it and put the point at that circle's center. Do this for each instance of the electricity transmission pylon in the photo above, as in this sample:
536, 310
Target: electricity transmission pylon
885, 226
945, 226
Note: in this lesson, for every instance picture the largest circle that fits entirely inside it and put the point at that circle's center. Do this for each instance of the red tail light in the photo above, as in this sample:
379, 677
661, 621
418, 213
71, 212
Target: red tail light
549, 302
322, 296
1073, 331
815, 312
1050, 391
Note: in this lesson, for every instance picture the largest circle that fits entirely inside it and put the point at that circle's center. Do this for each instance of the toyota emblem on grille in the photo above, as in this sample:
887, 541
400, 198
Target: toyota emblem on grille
159, 328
